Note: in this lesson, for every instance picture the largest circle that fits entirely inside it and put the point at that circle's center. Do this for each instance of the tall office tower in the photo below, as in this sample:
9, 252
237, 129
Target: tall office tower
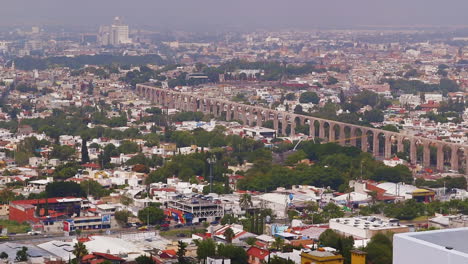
115, 35
119, 33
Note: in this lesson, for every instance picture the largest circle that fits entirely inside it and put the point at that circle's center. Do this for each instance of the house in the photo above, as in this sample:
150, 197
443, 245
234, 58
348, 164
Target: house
239, 234
97, 257
257, 255
393, 162
218, 260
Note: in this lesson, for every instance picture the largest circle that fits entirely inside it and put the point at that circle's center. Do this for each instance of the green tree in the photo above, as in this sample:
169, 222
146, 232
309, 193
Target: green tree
380, 249
278, 243
80, 250
93, 188
331, 80
245, 201
122, 217
205, 248
22, 254
229, 235
290, 97
152, 214
237, 255
279, 260
309, 97
143, 259
3, 255
181, 250
62, 152
84, 151
128, 147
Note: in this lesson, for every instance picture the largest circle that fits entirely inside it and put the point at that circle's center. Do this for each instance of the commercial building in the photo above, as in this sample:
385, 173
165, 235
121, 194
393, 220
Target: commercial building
366, 227
195, 210
446, 246
321, 256
43, 209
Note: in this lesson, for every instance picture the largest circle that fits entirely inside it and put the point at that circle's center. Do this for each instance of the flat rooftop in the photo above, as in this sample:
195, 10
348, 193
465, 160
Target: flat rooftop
448, 238
367, 222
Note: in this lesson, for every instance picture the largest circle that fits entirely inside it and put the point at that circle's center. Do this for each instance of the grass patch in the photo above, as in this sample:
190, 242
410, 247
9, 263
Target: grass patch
187, 232
15, 227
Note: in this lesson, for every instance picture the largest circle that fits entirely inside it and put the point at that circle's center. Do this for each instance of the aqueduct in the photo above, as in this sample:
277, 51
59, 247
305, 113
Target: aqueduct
380, 142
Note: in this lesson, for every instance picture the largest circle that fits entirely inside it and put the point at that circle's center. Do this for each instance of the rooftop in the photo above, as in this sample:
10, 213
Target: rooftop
453, 239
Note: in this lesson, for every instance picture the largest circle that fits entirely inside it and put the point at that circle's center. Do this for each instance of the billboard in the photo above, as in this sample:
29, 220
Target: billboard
106, 219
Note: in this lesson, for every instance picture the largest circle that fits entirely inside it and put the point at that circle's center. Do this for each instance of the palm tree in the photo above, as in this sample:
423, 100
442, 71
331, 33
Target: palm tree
79, 250
278, 243
373, 195
229, 235
245, 201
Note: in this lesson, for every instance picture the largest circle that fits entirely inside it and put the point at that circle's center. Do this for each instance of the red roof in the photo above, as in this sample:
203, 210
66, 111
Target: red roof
108, 256
170, 253
91, 165
41, 201
259, 253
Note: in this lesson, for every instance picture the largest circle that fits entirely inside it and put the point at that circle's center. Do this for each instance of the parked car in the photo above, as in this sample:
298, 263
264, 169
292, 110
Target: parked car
181, 235
179, 226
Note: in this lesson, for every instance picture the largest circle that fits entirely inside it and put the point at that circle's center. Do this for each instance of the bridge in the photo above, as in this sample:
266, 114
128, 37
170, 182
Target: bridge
381, 143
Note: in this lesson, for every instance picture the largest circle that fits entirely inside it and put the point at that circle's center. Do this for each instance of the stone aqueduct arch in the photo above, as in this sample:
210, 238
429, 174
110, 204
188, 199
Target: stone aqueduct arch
379, 142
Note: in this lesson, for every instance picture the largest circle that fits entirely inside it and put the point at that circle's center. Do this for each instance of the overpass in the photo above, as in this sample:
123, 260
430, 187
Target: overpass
380, 142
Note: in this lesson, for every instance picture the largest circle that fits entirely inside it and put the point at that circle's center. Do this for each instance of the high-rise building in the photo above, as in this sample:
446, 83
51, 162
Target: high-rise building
115, 35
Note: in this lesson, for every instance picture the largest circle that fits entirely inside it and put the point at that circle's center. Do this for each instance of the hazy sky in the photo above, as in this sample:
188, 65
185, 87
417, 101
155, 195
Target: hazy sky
247, 14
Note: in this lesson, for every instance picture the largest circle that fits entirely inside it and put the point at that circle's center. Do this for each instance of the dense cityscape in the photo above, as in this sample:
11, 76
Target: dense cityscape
127, 144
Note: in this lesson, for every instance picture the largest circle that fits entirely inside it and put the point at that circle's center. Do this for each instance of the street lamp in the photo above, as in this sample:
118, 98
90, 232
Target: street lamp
211, 161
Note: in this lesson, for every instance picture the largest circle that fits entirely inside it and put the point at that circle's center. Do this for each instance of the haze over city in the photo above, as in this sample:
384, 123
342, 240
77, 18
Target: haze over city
242, 14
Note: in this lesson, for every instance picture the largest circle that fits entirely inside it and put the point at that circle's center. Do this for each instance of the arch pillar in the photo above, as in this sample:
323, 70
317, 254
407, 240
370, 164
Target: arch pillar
243, 111
342, 135
413, 151
375, 143
321, 130
302, 120
454, 158
275, 122
400, 146
228, 113
465, 151
440, 157
311, 128
352, 135
364, 141
259, 118
293, 128
388, 146
426, 155
284, 123
331, 132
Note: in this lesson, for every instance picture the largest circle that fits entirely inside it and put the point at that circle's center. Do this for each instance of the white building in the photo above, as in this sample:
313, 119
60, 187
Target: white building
446, 246
366, 227
410, 99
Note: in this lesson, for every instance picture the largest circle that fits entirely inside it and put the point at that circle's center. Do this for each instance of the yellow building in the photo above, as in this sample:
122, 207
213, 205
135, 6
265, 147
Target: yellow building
358, 257
321, 256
